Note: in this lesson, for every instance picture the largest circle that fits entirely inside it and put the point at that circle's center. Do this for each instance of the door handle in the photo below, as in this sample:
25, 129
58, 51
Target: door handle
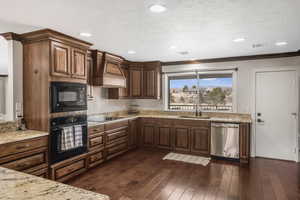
294, 114
260, 121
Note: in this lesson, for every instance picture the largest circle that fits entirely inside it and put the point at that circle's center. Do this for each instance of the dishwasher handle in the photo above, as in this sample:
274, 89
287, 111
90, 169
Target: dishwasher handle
223, 125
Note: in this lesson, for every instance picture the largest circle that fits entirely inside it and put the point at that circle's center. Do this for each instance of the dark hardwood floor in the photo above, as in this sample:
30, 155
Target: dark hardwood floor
143, 175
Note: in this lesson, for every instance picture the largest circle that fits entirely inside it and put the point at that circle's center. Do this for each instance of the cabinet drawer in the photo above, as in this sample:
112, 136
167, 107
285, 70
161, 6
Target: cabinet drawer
95, 158
70, 168
115, 135
80, 164
118, 148
116, 125
96, 129
192, 123
27, 162
43, 173
118, 141
149, 120
96, 141
22, 146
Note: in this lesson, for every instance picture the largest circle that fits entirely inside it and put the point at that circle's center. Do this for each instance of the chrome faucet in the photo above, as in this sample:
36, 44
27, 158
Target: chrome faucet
198, 112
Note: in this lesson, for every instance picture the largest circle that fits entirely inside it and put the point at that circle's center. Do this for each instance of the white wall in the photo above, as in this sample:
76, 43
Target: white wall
3, 56
102, 104
14, 87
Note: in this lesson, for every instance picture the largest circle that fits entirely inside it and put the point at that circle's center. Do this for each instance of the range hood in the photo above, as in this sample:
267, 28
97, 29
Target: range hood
107, 70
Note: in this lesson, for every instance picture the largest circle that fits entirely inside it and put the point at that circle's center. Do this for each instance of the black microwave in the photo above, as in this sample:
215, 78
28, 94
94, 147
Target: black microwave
66, 97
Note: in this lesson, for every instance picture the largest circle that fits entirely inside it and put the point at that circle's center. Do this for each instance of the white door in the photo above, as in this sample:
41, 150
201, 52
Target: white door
276, 108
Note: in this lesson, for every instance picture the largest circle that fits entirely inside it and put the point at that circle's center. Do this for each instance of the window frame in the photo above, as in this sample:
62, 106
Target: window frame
169, 76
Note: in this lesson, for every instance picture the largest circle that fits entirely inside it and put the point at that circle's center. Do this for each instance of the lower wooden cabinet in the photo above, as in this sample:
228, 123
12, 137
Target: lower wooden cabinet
200, 140
133, 134
244, 136
70, 168
148, 135
185, 136
182, 139
43, 173
28, 156
95, 158
164, 137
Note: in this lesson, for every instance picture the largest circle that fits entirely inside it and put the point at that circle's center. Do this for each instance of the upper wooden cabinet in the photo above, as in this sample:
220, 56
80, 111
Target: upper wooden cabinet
136, 80
79, 63
65, 55
68, 61
60, 58
49, 56
151, 80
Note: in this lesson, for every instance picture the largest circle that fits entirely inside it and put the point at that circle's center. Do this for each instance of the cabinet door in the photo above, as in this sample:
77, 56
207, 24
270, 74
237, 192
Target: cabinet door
136, 83
182, 139
89, 66
200, 140
133, 130
244, 136
148, 135
79, 69
124, 92
164, 137
60, 57
150, 83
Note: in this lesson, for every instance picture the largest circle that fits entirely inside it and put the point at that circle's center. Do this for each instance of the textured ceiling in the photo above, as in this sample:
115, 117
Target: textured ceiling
204, 28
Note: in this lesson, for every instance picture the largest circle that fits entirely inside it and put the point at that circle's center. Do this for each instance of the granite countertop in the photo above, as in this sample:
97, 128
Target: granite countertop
19, 186
14, 136
212, 119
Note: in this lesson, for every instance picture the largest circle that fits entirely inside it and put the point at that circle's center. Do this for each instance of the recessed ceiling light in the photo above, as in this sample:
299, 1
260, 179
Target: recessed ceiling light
84, 34
183, 52
131, 52
239, 40
281, 43
157, 8
173, 47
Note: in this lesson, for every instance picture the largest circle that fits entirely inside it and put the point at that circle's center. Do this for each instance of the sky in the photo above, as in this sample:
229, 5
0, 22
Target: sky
211, 82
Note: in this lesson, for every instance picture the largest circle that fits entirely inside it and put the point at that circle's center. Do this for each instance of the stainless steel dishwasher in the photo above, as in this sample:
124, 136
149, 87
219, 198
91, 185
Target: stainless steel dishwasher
225, 140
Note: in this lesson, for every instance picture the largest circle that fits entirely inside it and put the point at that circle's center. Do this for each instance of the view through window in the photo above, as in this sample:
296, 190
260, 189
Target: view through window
215, 92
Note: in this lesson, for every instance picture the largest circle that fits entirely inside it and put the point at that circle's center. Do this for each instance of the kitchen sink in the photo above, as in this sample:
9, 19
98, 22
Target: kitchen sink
194, 117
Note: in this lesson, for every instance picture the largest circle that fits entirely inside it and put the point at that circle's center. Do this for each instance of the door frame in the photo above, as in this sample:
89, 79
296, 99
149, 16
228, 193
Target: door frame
253, 109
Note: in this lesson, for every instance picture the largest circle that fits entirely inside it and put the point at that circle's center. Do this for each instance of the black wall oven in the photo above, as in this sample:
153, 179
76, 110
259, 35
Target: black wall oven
66, 97
68, 137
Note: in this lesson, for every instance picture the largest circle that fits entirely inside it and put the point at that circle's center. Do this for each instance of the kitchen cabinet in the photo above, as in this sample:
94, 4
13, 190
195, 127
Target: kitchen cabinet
61, 54
200, 140
116, 141
133, 133
79, 63
96, 143
148, 132
67, 61
145, 80
28, 156
182, 139
244, 137
151, 80
69, 168
163, 135
49, 56
136, 80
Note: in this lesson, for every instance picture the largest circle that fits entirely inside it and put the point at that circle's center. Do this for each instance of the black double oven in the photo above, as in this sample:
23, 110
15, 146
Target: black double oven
68, 132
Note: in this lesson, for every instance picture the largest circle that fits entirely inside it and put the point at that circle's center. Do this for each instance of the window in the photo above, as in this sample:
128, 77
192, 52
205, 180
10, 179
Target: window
212, 92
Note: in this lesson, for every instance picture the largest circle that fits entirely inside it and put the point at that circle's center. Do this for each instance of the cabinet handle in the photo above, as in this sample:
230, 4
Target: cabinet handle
22, 147
21, 166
